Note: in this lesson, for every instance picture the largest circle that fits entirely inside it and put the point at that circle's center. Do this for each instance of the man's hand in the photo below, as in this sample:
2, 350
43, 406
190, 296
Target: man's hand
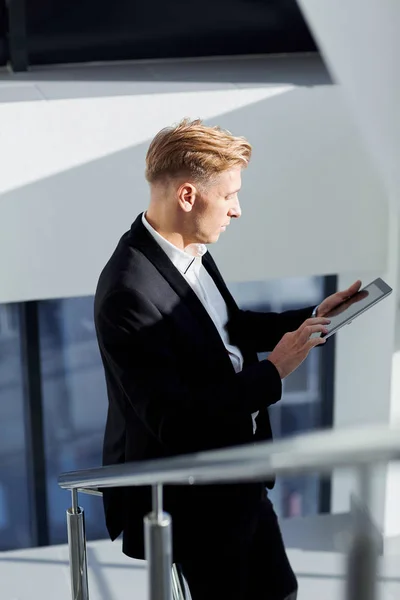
334, 300
294, 347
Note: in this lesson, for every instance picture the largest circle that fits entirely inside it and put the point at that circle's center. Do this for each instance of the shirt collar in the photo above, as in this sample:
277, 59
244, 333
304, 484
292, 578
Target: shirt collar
181, 259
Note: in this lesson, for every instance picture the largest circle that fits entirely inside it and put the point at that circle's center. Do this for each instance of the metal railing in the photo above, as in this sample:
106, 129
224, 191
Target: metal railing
361, 448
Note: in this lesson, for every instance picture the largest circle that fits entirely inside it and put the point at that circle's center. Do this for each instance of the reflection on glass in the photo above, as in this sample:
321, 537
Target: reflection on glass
74, 405
14, 497
300, 408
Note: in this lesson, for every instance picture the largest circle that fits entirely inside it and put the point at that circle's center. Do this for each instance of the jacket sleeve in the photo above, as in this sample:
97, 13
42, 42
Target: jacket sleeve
262, 331
135, 341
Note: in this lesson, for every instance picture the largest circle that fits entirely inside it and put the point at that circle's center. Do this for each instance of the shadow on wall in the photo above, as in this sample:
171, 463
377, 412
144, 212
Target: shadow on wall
309, 168
161, 76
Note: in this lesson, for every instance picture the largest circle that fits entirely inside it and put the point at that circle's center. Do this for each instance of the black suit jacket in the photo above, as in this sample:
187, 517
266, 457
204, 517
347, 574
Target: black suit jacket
171, 385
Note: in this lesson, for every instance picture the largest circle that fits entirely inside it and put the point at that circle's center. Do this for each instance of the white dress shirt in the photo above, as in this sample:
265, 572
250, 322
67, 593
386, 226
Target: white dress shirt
189, 264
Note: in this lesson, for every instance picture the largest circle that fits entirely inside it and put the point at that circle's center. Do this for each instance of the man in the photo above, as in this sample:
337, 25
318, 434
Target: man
182, 372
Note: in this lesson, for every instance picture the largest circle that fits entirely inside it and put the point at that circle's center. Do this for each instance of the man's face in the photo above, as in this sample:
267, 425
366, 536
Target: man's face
216, 206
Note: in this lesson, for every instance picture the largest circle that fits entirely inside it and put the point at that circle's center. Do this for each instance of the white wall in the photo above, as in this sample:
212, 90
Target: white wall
72, 169
363, 377
360, 42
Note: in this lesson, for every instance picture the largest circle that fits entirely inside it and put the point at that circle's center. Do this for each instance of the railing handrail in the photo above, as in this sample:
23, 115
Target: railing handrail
317, 452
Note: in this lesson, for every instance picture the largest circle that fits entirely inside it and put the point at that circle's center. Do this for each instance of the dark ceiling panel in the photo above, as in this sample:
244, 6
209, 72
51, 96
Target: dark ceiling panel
88, 30
3, 33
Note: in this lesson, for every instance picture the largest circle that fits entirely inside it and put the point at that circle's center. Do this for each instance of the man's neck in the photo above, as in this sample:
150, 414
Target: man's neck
166, 230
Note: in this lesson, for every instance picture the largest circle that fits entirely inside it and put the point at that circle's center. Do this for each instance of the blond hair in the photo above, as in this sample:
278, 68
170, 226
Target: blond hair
195, 150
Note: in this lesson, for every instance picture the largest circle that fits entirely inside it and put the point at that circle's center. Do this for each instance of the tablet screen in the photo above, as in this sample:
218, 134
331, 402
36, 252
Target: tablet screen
357, 304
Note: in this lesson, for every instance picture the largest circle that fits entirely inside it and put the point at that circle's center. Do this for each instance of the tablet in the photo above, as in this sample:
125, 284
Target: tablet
354, 306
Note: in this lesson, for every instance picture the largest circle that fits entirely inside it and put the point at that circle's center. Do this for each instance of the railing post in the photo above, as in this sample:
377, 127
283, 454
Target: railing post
77, 550
362, 564
158, 547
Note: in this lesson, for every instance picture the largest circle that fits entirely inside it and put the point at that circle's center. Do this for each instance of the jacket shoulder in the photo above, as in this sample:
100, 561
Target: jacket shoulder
125, 270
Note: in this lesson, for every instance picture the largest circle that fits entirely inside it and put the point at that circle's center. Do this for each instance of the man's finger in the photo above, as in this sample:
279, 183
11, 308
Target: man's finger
316, 342
362, 295
308, 331
353, 288
314, 321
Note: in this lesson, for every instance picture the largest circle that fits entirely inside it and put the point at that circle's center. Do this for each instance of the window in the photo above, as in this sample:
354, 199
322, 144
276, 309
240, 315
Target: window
74, 405
15, 528
304, 403
71, 395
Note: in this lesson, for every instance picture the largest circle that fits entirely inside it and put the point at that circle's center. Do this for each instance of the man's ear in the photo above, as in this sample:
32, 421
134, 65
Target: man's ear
187, 196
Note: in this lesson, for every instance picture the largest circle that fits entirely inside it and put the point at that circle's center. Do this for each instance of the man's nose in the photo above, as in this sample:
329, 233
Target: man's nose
235, 212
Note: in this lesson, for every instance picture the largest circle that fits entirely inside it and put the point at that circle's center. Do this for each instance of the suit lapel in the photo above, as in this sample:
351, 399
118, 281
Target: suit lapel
249, 356
141, 239
213, 271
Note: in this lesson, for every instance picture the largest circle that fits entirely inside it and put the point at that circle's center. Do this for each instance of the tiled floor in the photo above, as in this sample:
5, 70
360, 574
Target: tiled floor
43, 574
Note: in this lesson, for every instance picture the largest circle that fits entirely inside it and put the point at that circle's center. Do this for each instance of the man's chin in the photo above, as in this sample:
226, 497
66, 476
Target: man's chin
207, 239
213, 239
